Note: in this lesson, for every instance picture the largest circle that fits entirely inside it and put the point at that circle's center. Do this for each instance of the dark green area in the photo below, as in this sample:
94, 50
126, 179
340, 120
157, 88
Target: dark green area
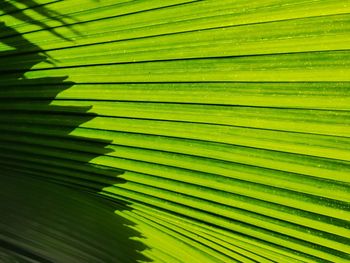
41, 219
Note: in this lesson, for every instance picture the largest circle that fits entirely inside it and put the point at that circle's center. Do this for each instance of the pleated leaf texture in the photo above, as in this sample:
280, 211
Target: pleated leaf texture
174, 131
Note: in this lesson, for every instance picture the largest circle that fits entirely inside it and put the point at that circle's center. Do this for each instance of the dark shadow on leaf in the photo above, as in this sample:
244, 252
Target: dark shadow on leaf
50, 207
39, 9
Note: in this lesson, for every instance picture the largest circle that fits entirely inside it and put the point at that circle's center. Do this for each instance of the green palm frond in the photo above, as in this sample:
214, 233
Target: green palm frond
175, 131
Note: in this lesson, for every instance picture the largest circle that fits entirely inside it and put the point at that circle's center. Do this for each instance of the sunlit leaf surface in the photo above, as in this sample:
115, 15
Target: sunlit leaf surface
174, 131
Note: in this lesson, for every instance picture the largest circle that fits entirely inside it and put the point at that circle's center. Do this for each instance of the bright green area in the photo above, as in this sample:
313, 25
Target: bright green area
216, 131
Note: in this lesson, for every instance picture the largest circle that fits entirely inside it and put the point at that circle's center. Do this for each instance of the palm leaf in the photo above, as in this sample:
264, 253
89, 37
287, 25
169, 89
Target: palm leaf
217, 131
